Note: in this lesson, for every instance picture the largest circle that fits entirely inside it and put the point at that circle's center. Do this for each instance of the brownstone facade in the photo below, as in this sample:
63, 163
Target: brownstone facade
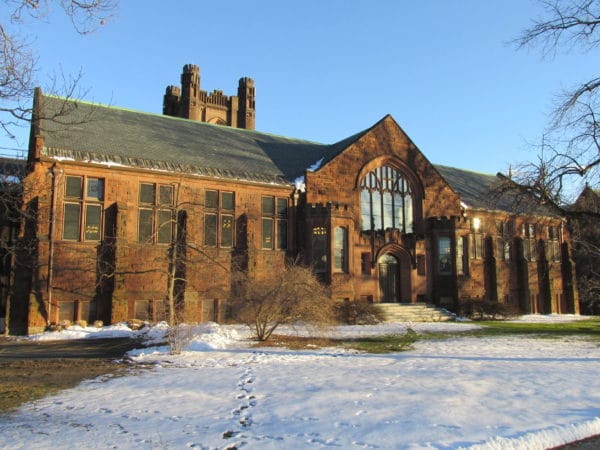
190, 102
117, 225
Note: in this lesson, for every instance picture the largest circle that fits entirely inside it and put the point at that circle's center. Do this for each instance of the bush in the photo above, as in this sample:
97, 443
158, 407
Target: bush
286, 296
478, 309
357, 312
179, 338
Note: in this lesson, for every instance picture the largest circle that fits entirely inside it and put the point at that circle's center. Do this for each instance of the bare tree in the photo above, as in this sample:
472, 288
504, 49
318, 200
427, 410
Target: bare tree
285, 296
17, 57
568, 162
569, 154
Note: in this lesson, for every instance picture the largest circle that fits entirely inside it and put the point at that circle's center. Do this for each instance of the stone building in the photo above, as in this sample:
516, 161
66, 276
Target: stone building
127, 205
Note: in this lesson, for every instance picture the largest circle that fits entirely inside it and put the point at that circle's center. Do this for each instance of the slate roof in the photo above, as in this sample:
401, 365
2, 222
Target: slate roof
96, 133
482, 191
89, 132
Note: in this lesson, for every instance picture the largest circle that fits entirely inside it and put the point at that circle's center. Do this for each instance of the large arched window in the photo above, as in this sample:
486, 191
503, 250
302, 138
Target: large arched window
386, 201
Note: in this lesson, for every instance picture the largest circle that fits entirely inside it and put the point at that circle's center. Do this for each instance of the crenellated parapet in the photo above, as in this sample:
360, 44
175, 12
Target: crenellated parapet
191, 102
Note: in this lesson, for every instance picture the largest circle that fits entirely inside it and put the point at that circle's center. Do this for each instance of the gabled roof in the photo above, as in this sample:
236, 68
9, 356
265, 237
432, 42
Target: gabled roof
482, 191
95, 133
87, 132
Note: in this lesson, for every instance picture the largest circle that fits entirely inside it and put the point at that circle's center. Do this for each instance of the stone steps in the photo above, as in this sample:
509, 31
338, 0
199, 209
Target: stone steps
413, 312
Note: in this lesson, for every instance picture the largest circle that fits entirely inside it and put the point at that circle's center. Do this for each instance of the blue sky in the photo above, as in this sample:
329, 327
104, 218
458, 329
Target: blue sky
326, 69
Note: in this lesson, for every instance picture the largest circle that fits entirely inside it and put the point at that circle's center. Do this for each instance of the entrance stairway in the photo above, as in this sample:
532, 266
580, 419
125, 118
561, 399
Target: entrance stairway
413, 312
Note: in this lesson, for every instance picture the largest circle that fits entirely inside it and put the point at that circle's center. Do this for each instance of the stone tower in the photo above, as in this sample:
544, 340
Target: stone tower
189, 102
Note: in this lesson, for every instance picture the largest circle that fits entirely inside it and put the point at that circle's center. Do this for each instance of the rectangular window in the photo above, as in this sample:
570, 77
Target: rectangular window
226, 231
460, 254
319, 249
145, 226
475, 246
165, 196
267, 234
93, 222
444, 256
165, 226
553, 246
210, 230
282, 214
73, 188
218, 219
82, 214
156, 214
274, 223
71, 224
528, 233
340, 246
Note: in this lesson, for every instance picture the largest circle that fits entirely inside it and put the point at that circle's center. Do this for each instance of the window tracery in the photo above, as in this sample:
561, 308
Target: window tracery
386, 201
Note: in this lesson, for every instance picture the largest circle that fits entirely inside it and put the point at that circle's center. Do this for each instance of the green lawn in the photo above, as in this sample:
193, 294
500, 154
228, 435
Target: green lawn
587, 329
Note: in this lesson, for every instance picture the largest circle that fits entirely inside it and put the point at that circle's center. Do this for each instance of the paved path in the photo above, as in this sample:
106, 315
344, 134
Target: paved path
14, 349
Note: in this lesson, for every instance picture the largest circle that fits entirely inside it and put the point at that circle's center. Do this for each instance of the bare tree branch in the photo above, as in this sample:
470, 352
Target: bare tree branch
17, 58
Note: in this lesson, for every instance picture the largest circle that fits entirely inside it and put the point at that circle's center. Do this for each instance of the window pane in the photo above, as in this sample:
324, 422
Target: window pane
281, 234
227, 201
147, 193
73, 187
165, 195
459, 255
226, 231
408, 214
267, 233
268, 206
282, 206
95, 188
145, 228
377, 210
71, 221
93, 222
339, 249
165, 226
444, 256
210, 230
365, 209
211, 200
388, 211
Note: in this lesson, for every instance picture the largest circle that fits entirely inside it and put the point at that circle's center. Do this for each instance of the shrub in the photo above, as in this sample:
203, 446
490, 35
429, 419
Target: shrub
478, 309
357, 312
179, 338
290, 295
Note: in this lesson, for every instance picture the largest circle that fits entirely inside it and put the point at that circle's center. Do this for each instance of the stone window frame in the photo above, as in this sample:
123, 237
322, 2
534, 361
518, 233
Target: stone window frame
385, 189
221, 210
476, 241
85, 201
159, 210
274, 222
320, 260
553, 233
528, 235
444, 255
462, 253
340, 250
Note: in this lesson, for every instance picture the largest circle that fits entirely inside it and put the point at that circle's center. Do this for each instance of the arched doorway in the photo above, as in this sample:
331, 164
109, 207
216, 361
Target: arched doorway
389, 278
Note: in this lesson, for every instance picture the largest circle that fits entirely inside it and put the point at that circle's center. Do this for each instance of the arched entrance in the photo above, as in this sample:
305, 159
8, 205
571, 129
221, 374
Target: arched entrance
389, 278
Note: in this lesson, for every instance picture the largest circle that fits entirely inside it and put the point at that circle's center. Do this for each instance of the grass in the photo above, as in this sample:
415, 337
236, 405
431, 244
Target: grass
586, 329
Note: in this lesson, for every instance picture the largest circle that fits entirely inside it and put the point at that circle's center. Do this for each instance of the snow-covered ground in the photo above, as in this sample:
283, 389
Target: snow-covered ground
488, 393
